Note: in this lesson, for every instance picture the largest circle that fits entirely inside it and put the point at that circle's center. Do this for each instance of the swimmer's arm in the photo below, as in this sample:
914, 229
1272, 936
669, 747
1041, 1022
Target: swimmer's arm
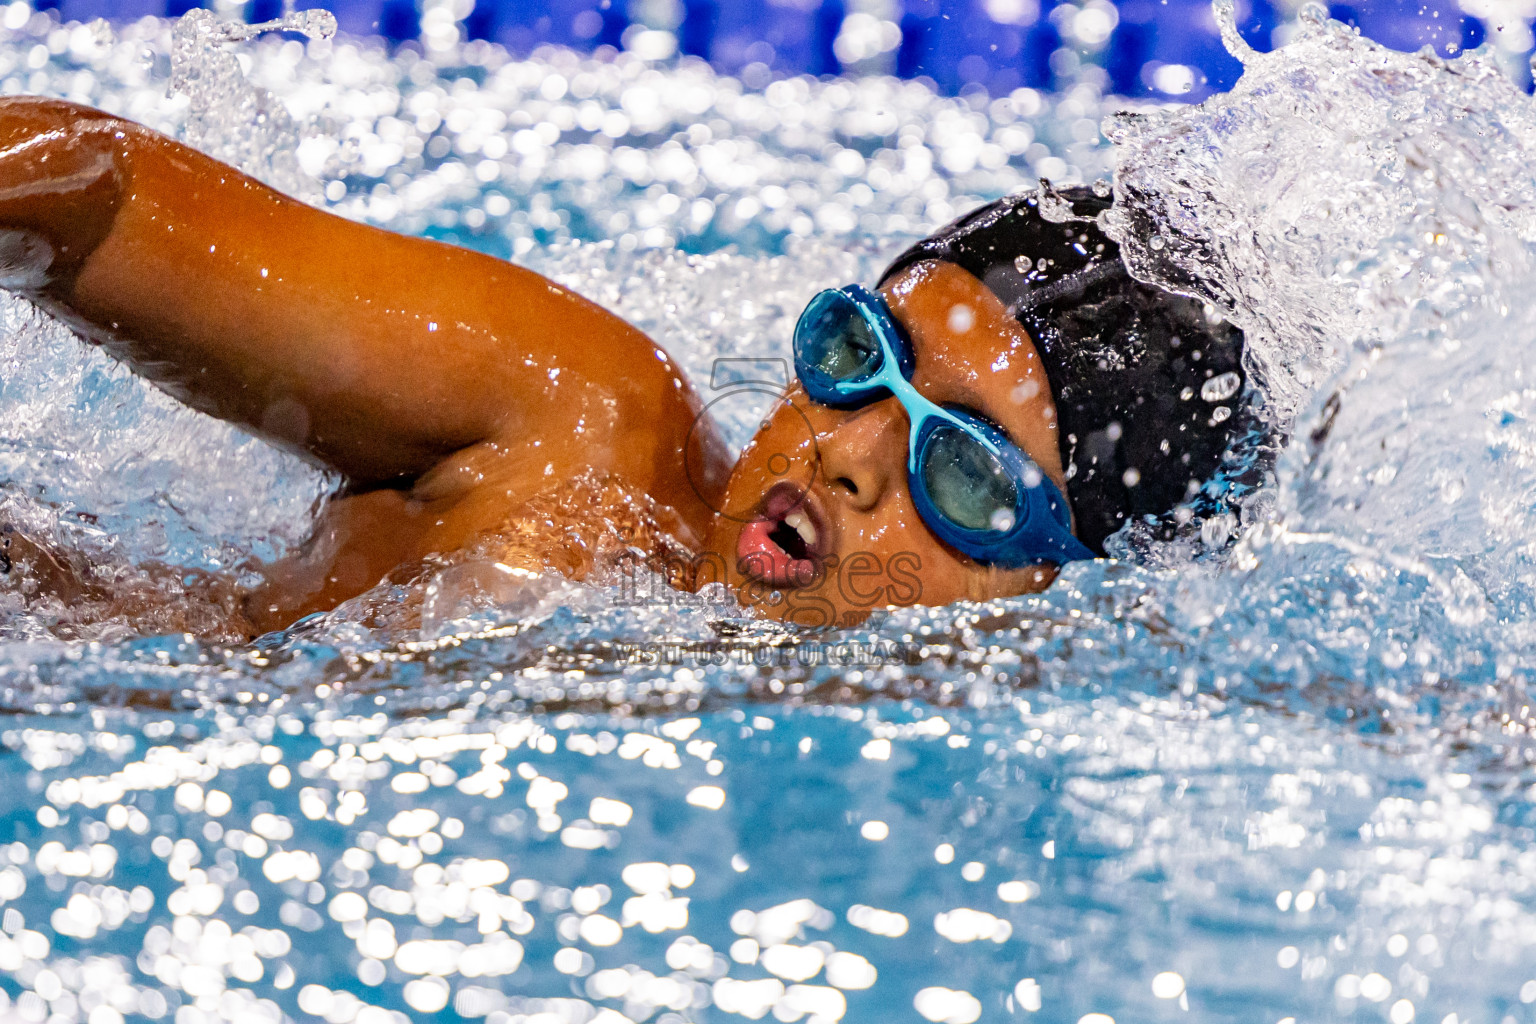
379, 354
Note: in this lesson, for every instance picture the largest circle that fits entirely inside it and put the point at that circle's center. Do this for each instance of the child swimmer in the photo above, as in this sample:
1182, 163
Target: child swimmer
1004, 402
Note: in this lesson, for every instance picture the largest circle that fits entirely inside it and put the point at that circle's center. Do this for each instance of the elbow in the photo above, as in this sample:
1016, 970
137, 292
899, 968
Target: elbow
60, 175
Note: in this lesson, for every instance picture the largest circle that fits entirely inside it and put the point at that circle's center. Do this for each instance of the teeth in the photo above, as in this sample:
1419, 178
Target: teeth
802, 526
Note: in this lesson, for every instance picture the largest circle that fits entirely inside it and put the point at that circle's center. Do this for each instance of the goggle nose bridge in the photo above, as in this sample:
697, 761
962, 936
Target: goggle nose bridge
889, 377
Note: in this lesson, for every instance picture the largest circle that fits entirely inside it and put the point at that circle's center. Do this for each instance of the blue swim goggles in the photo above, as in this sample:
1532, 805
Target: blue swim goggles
977, 491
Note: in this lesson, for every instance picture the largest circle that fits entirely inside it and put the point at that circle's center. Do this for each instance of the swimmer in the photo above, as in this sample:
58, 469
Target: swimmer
1003, 401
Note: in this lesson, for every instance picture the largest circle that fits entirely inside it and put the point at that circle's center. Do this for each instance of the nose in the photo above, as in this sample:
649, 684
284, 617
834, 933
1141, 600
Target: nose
862, 452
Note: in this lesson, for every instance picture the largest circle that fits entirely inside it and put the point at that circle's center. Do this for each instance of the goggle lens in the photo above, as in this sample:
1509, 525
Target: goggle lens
966, 482
834, 338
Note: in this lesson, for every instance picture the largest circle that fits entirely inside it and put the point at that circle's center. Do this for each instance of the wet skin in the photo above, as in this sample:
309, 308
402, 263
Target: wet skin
450, 387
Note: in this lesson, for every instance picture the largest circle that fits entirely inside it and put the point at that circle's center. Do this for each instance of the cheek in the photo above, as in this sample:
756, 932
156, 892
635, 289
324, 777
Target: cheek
893, 526
784, 450
912, 556
786, 441
897, 536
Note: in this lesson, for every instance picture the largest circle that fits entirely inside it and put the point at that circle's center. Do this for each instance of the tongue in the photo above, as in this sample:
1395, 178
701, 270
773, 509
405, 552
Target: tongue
763, 559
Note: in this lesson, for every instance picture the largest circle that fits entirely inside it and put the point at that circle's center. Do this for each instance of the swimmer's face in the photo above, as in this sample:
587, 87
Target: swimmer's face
843, 534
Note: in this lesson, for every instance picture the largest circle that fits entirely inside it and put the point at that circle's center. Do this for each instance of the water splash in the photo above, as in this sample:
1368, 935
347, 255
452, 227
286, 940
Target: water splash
1368, 218
229, 118
1225, 13
1340, 190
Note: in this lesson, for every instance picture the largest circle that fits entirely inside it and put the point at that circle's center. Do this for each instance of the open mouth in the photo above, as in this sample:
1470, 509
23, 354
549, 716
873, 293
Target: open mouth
785, 543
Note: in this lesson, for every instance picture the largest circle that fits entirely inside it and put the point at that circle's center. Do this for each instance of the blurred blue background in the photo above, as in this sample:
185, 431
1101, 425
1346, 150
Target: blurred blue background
1148, 48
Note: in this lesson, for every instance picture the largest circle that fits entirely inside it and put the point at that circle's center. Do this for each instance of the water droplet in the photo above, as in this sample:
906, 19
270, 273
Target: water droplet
1025, 391
1222, 387
961, 318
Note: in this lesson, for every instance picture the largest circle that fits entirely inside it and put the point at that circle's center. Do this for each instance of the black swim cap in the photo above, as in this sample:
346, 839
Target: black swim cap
1147, 384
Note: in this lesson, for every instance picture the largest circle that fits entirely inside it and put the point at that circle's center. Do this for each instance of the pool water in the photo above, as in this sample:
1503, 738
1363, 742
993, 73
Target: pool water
1281, 777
